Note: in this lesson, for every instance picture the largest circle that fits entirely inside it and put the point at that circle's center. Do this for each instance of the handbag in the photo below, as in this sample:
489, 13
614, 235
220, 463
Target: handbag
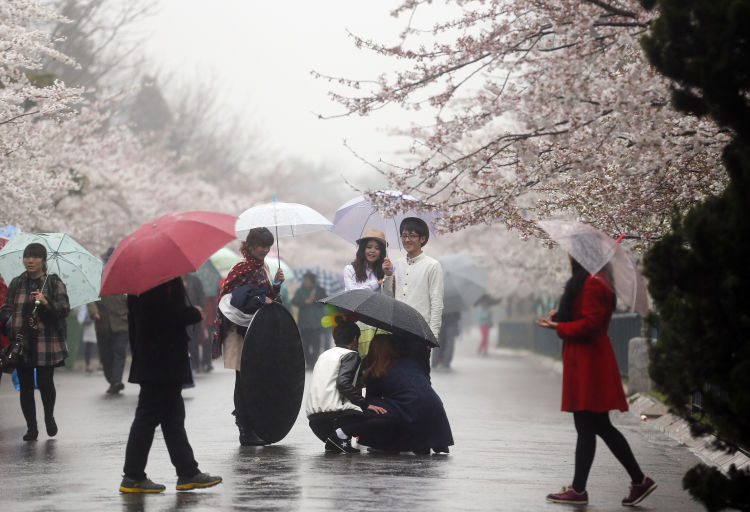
11, 356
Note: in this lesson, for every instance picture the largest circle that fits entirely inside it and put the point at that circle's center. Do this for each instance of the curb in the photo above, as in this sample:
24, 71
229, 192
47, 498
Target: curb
655, 415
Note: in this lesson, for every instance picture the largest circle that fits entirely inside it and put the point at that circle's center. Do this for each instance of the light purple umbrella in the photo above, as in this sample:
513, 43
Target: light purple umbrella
358, 214
594, 249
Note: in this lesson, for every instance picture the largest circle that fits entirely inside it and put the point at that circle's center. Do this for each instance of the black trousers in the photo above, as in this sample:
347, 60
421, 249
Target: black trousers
159, 403
589, 425
46, 384
324, 424
113, 348
377, 430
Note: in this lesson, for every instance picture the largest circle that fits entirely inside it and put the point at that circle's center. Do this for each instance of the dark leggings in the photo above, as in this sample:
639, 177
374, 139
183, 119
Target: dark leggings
589, 425
46, 384
88, 348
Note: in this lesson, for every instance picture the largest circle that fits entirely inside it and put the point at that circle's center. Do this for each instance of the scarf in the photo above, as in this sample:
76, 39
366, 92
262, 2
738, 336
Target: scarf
250, 271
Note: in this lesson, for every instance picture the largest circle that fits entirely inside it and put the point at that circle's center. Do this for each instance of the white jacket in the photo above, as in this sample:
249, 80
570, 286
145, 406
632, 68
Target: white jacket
333, 386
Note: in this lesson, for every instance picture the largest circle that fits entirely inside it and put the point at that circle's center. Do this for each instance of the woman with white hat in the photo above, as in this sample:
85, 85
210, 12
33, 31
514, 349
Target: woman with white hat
366, 272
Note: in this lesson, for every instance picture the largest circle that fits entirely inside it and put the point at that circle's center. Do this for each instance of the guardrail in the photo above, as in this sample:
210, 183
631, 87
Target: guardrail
527, 335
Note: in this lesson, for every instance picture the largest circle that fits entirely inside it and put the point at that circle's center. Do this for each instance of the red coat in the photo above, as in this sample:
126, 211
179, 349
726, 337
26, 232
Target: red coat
591, 379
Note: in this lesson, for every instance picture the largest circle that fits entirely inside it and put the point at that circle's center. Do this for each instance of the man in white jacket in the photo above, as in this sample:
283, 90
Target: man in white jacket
335, 397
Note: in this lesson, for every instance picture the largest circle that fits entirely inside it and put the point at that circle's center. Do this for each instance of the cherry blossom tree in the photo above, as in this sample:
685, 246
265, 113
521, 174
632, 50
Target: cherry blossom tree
537, 109
68, 164
29, 170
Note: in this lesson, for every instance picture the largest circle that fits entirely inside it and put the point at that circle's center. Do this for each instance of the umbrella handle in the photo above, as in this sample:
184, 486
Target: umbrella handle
278, 251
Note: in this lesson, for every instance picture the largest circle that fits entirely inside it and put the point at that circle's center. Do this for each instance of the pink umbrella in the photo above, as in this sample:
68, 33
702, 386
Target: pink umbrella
165, 248
594, 249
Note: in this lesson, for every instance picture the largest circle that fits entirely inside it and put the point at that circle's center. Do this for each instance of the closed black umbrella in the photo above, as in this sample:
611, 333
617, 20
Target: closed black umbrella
385, 313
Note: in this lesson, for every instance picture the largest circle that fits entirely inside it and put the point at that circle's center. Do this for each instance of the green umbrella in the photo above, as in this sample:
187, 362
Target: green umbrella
79, 269
274, 263
224, 259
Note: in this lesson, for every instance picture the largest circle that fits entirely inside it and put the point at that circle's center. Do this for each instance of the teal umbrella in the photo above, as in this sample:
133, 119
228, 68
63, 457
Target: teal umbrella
79, 269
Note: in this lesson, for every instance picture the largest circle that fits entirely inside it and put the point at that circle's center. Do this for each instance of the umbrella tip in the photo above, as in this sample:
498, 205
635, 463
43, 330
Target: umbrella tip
619, 239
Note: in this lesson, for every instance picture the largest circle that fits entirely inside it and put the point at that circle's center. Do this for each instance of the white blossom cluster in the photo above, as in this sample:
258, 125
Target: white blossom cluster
68, 165
541, 109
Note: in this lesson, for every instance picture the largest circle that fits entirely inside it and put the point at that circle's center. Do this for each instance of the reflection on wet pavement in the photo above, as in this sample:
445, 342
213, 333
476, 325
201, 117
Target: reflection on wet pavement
513, 446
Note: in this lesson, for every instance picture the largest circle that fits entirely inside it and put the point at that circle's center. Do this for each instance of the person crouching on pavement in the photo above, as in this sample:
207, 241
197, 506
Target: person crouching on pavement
335, 398
157, 322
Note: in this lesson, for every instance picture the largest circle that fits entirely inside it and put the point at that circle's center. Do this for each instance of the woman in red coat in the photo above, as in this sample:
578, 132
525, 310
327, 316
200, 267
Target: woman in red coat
591, 380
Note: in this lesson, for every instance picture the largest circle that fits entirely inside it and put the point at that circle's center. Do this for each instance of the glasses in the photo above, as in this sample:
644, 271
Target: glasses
412, 236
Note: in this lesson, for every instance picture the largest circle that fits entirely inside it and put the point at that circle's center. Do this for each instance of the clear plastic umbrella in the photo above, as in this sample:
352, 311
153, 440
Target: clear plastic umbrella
285, 219
79, 270
594, 249
354, 216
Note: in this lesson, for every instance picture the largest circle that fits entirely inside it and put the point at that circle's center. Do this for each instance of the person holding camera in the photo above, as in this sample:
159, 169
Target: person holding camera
34, 311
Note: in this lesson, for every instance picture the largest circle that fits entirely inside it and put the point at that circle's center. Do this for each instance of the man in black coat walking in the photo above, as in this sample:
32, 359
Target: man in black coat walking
157, 321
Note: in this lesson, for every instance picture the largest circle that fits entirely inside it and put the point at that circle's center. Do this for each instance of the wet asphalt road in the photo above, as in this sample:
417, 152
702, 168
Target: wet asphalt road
513, 446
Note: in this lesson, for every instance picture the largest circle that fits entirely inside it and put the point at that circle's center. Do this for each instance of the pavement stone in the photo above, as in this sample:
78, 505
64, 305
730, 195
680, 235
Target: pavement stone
513, 446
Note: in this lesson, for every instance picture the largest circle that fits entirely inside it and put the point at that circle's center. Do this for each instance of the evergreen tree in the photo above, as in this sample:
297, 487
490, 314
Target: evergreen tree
700, 272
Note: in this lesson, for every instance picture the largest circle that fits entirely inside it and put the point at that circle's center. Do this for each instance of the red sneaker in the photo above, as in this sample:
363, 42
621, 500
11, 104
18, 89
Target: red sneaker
639, 492
568, 495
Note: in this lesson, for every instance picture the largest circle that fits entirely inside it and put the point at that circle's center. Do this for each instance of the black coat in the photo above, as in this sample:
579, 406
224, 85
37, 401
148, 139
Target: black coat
157, 321
405, 390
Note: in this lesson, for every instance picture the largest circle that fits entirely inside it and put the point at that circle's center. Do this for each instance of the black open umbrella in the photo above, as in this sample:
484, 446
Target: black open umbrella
385, 313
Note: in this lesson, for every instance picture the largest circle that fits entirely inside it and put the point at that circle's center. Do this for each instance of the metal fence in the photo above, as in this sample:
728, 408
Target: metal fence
527, 335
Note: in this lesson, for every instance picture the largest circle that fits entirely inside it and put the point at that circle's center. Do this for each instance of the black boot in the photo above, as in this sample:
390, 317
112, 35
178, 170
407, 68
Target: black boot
31, 434
51, 427
248, 437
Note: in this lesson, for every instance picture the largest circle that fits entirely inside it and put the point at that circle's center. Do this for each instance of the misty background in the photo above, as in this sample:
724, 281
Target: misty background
226, 88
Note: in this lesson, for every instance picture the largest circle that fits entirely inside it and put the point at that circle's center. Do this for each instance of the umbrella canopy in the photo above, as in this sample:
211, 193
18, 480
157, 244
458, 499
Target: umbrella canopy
274, 263
384, 312
224, 259
287, 219
332, 282
358, 214
464, 281
8, 231
593, 250
165, 248
209, 278
80, 270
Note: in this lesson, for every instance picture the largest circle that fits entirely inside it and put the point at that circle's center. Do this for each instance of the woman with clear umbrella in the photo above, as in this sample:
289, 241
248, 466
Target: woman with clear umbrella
250, 277
591, 380
35, 308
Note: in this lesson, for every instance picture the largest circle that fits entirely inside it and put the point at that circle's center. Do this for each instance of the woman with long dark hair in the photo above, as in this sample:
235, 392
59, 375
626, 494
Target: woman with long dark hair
415, 420
591, 380
35, 308
366, 272
253, 276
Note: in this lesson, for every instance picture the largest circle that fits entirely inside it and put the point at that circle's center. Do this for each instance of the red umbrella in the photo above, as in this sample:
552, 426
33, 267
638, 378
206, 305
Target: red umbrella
165, 248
